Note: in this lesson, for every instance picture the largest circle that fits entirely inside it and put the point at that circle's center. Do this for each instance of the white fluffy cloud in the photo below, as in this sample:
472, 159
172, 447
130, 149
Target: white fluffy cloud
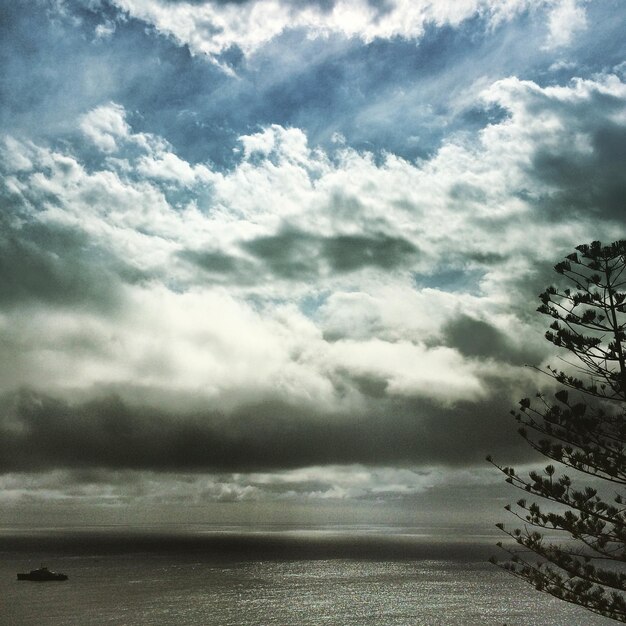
212, 27
565, 21
105, 125
251, 330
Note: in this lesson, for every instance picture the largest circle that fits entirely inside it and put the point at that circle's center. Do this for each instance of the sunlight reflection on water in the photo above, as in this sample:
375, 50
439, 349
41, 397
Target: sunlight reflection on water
147, 587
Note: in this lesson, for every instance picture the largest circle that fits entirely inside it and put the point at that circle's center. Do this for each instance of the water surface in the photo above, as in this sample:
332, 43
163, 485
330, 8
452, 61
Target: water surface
300, 577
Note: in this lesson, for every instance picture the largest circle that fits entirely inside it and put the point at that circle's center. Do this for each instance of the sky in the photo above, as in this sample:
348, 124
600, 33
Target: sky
272, 261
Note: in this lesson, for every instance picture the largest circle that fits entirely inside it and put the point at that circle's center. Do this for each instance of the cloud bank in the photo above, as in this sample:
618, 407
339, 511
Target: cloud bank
301, 282
313, 276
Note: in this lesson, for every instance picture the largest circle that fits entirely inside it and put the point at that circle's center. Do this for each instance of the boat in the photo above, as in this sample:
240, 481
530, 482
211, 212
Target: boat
43, 574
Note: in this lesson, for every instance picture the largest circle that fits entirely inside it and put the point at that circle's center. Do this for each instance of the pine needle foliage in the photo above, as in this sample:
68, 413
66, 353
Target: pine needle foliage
582, 428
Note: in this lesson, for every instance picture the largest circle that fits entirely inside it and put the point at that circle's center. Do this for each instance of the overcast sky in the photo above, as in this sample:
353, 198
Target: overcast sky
260, 258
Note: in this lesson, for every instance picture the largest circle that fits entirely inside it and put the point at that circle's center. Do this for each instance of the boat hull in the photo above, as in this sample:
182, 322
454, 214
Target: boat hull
38, 577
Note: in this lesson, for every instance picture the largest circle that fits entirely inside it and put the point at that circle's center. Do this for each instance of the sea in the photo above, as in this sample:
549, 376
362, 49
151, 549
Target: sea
232, 576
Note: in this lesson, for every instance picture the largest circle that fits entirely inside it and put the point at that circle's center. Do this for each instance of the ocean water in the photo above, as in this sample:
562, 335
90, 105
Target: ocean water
234, 577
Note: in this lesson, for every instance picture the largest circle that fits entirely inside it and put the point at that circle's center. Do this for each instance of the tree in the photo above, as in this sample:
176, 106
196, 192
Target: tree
583, 428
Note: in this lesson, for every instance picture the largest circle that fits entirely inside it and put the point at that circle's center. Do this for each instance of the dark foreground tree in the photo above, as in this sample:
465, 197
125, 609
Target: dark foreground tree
576, 550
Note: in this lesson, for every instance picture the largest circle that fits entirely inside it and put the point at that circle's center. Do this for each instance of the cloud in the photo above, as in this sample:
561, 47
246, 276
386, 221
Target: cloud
566, 20
105, 30
53, 265
293, 254
302, 308
279, 259
575, 133
390, 94
130, 488
212, 28
41, 433
105, 125
479, 339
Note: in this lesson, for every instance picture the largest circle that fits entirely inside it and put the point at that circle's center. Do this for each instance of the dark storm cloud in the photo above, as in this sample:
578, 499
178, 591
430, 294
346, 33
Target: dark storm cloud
39, 432
212, 262
479, 339
58, 266
583, 181
295, 255
290, 254
350, 252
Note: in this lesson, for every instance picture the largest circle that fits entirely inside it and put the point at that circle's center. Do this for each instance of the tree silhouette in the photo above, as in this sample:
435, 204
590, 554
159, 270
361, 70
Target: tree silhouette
583, 429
